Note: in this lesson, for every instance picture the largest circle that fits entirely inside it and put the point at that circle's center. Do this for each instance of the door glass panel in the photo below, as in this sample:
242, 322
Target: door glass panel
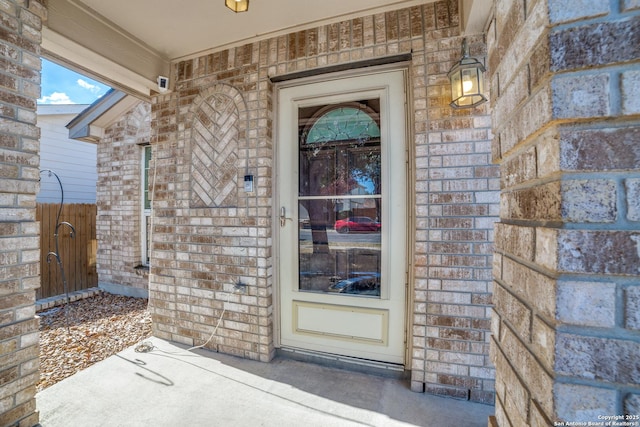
340, 198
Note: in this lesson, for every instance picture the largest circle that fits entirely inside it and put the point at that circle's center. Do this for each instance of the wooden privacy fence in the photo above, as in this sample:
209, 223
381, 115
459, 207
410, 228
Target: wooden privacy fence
78, 255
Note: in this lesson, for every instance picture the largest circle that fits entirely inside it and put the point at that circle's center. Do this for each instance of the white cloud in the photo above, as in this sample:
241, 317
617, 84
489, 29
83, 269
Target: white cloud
88, 86
56, 98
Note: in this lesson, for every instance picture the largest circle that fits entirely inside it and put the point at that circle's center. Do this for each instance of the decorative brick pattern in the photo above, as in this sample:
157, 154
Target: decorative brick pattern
567, 254
202, 246
214, 146
20, 32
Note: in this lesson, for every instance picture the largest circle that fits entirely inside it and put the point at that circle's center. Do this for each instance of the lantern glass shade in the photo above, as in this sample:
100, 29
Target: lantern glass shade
237, 5
467, 82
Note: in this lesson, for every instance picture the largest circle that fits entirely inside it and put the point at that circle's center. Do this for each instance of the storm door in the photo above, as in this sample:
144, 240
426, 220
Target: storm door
342, 216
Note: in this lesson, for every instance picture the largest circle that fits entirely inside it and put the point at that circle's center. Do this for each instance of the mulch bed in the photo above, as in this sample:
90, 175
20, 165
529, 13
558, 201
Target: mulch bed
75, 336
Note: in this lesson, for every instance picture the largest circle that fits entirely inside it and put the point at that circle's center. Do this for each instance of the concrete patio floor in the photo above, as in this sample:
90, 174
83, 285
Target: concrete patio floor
169, 386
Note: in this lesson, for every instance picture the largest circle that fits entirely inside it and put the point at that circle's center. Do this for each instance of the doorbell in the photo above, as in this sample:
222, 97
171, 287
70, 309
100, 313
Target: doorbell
248, 183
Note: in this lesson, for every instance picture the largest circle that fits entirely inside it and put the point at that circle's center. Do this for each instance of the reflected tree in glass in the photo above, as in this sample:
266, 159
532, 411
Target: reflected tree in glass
340, 167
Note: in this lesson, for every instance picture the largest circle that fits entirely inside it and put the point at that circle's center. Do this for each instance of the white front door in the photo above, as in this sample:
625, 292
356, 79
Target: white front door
342, 205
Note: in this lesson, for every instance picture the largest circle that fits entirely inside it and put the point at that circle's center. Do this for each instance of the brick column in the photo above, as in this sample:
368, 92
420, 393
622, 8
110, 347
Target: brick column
20, 35
565, 89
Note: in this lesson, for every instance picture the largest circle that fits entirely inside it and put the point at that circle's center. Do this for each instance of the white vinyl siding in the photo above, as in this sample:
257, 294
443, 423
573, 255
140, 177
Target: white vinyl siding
73, 161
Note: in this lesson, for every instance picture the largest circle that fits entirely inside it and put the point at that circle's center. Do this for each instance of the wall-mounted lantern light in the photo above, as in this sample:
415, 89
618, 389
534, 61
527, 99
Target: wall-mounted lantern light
237, 5
467, 81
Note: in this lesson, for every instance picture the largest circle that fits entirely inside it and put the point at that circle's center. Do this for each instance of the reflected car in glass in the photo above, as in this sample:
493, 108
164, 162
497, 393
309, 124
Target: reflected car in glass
359, 285
357, 224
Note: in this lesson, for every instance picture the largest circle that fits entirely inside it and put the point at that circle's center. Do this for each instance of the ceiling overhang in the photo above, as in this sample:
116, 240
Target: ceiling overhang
127, 45
84, 40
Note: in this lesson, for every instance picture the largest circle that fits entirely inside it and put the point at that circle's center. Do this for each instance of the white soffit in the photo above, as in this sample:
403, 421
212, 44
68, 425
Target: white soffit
178, 29
169, 30
130, 43
475, 15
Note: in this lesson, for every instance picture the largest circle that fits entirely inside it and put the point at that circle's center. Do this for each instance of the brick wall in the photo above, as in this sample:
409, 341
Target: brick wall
202, 245
119, 199
20, 32
564, 78
456, 197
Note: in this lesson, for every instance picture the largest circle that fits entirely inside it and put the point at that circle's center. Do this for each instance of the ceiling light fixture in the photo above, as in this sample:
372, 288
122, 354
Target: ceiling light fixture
237, 5
467, 81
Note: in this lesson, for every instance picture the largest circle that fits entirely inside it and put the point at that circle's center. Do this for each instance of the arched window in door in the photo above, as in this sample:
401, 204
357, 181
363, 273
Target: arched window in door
340, 144
340, 192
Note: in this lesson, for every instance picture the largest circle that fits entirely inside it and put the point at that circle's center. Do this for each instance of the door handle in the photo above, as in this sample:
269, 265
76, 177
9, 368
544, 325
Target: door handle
283, 216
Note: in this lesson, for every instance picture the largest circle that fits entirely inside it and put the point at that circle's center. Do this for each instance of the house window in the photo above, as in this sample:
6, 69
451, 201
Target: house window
145, 232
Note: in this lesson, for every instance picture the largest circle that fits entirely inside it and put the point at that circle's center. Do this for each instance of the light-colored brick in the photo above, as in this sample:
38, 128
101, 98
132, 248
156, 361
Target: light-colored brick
586, 303
519, 169
543, 342
631, 5
605, 359
513, 311
589, 201
593, 251
581, 96
577, 403
512, 95
573, 82
515, 240
19, 275
524, 363
533, 115
632, 186
547, 248
632, 308
572, 10
548, 153
632, 404
599, 149
630, 87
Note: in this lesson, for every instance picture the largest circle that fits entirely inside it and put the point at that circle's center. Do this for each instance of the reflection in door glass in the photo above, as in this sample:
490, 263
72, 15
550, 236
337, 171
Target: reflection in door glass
340, 199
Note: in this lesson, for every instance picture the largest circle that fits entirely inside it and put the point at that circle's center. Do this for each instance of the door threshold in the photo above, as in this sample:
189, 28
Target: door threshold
371, 367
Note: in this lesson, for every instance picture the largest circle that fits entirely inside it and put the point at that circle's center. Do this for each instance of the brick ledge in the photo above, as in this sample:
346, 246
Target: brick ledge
46, 303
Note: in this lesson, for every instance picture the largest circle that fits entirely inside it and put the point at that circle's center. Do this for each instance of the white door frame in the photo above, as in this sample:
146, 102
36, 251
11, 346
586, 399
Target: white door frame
401, 201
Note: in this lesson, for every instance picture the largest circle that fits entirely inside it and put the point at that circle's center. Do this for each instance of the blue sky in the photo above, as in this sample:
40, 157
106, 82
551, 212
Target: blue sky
63, 86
